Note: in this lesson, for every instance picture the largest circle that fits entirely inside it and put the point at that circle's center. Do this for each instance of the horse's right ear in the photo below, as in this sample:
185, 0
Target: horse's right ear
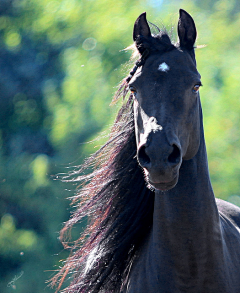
187, 32
141, 31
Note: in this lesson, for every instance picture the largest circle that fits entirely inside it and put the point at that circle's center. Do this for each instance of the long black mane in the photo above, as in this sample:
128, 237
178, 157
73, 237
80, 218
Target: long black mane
118, 203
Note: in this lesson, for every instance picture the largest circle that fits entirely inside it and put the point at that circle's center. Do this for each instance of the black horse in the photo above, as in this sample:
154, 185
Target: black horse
155, 223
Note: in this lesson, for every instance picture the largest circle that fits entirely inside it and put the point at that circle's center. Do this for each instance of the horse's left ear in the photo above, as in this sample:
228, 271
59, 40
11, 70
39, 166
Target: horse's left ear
187, 32
141, 32
141, 27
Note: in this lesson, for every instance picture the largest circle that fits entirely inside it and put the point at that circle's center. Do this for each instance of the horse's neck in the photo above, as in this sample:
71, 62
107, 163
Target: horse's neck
186, 221
192, 201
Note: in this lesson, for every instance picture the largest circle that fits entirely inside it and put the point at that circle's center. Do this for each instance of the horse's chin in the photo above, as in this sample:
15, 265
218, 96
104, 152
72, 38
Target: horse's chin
164, 186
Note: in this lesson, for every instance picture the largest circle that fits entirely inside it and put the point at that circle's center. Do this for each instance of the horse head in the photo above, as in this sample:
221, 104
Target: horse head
166, 101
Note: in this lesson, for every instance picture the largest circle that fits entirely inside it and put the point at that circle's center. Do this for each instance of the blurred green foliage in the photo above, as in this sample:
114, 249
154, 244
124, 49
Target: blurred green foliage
60, 63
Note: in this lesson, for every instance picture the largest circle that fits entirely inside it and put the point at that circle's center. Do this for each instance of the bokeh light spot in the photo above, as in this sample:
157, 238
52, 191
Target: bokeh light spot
89, 44
13, 39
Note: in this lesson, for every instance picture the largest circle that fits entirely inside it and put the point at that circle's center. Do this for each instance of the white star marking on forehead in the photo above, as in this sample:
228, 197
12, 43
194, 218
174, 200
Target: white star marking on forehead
163, 67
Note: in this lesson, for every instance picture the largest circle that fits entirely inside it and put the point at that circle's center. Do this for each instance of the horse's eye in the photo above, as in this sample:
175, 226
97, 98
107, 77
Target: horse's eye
196, 88
132, 90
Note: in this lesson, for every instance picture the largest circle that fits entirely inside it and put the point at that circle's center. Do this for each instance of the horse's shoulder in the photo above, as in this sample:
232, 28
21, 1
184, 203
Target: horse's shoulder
229, 211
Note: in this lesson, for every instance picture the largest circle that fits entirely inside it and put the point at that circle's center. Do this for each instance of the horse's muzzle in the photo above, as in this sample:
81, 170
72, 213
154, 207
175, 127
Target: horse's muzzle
161, 164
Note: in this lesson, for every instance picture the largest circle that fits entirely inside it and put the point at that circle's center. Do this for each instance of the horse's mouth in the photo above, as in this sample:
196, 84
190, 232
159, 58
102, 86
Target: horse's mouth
164, 186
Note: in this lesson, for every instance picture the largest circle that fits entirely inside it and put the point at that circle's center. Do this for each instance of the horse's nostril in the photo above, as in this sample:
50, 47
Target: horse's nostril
143, 158
174, 157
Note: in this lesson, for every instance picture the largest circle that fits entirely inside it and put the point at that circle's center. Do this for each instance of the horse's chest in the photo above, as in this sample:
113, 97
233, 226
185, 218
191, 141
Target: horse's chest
142, 281
155, 275
148, 275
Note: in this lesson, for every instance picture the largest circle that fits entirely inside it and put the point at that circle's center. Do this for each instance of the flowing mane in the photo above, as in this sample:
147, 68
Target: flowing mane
118, 203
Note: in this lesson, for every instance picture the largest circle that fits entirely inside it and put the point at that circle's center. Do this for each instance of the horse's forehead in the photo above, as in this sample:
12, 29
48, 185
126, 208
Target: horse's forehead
170, 62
